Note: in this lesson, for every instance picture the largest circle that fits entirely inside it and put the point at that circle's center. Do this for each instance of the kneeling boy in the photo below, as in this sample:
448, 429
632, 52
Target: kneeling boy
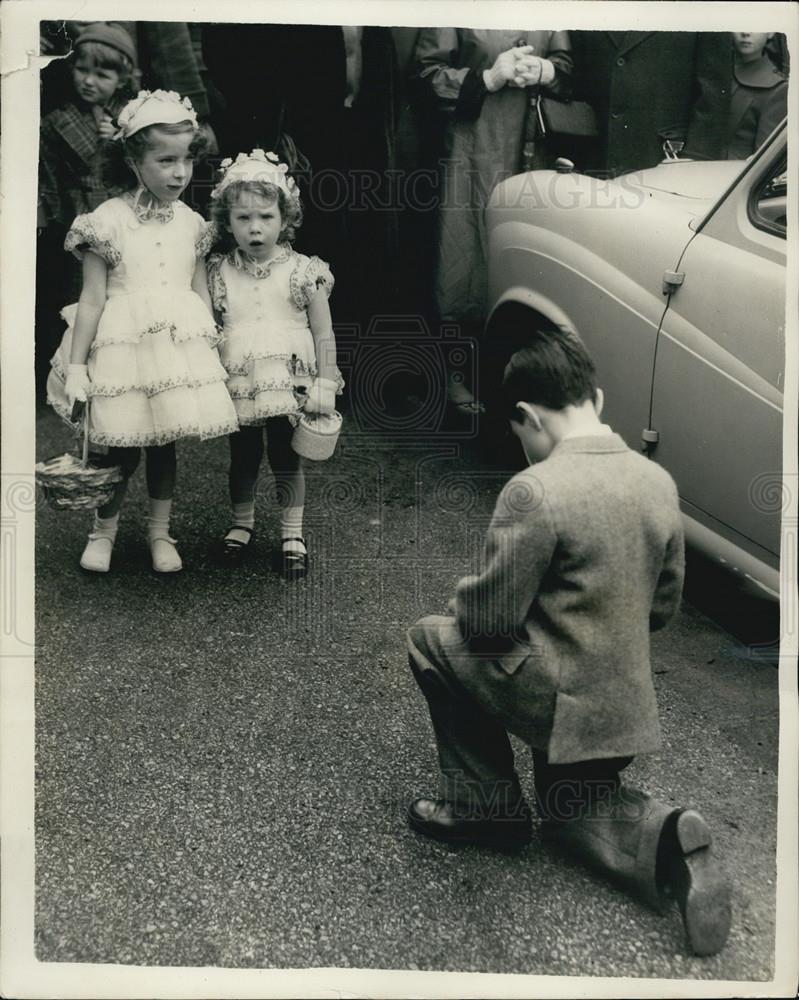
550, 642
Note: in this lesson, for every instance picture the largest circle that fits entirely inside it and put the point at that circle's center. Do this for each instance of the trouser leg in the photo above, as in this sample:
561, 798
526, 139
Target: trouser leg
566, 792
474, 752
656, 851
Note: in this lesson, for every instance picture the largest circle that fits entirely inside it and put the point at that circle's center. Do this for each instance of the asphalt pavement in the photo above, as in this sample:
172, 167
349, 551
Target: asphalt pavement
224, 759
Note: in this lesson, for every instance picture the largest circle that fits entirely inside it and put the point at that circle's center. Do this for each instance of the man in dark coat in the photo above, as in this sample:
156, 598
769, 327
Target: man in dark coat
333, 91
649, 86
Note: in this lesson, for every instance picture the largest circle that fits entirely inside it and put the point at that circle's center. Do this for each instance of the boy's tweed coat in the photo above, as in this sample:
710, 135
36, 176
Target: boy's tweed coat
583, 557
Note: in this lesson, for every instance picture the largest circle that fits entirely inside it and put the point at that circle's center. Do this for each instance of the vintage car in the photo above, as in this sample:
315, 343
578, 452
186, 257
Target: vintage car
674, 277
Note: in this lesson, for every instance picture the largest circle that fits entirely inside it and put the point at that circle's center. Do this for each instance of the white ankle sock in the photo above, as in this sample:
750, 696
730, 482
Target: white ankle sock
291, 527
243, 517
158, 518
244, 514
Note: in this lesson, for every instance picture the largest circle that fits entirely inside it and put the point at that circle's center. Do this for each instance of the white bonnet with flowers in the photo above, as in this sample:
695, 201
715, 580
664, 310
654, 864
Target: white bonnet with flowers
256, 166
154, 107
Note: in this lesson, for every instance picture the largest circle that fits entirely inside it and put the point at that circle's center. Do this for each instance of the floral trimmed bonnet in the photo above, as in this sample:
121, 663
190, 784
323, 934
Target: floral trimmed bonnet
256, 166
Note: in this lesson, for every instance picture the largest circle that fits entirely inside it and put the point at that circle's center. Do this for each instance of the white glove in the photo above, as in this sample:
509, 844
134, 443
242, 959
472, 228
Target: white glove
77, 383
505, 69
322, 396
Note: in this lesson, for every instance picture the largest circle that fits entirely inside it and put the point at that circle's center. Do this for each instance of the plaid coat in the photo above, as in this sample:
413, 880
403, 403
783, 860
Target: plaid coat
70, 157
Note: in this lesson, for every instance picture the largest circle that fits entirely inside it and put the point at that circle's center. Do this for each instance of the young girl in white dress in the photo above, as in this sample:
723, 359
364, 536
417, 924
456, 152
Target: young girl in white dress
278, 348
141, 342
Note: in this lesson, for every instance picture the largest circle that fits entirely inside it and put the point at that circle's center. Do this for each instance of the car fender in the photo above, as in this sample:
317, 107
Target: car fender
542, 304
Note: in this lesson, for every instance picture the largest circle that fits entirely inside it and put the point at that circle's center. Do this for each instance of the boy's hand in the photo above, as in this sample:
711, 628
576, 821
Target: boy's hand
322, 396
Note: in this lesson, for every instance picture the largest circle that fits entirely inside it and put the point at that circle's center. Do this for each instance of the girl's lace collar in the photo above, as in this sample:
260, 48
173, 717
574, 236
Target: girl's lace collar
255, 268
146, 207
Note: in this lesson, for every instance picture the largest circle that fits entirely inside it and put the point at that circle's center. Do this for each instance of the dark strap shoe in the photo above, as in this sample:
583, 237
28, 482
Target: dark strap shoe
233, 551
438, 819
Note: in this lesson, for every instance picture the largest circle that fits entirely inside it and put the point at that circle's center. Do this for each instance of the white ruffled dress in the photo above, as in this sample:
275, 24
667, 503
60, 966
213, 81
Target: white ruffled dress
268, 349
154, 366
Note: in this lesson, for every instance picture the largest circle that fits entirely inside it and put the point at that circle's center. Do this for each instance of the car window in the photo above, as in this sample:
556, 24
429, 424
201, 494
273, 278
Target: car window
768, 204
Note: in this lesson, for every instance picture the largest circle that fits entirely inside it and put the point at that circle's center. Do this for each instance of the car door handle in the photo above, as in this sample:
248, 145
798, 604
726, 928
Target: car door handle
672, 281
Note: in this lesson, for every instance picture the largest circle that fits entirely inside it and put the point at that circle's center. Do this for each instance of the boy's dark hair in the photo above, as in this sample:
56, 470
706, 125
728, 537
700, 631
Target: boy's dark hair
554, 370
118, 174
290, 211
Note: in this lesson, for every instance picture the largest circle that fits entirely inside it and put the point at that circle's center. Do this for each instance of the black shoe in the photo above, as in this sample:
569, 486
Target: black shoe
698, 884
437, 819
294, 565
233, 551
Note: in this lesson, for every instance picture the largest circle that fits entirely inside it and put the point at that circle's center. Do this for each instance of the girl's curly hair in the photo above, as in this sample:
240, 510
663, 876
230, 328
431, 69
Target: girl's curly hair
117, 172
220, 209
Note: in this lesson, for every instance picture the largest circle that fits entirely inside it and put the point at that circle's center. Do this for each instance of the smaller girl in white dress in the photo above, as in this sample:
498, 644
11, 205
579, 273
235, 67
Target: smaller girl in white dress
278, 348
141, 341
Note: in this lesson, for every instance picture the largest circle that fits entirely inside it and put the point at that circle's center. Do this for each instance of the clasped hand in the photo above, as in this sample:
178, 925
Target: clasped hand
516, 67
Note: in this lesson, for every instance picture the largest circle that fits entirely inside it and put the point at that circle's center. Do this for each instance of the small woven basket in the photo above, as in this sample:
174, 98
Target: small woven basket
316, 434
70, 482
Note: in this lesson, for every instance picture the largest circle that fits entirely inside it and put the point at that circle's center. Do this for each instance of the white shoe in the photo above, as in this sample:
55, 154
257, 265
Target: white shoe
97, 555
165, 555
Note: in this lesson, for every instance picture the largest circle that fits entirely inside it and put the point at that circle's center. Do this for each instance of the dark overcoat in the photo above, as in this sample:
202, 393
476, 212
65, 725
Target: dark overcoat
649, 85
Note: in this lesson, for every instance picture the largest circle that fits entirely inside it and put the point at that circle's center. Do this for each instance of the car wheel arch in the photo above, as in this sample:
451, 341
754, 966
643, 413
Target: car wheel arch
519, 301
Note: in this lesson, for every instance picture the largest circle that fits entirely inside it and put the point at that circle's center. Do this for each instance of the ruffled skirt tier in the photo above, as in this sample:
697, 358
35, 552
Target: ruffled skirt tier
155, 371
268, 380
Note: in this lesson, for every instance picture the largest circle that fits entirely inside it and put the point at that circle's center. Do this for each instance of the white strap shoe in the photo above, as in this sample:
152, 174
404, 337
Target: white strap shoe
96, 556
165, 555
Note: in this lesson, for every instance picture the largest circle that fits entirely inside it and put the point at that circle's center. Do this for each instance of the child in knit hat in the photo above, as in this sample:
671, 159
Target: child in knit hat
72, 136
93, 84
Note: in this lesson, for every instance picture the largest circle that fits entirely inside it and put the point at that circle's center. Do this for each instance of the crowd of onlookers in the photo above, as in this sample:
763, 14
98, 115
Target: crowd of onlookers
396, 135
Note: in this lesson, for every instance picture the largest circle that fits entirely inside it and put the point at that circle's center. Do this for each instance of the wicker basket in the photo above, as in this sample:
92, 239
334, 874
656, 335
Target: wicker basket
70, 482
316, 434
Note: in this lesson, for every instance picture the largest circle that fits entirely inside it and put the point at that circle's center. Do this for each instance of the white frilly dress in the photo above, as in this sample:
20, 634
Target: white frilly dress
154, 366
267, 349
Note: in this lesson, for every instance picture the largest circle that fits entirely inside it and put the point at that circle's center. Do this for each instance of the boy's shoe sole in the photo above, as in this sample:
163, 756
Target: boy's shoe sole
699, 886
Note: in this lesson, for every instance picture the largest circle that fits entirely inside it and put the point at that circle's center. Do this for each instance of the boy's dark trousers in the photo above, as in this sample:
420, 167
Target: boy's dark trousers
658, 852
476, 759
